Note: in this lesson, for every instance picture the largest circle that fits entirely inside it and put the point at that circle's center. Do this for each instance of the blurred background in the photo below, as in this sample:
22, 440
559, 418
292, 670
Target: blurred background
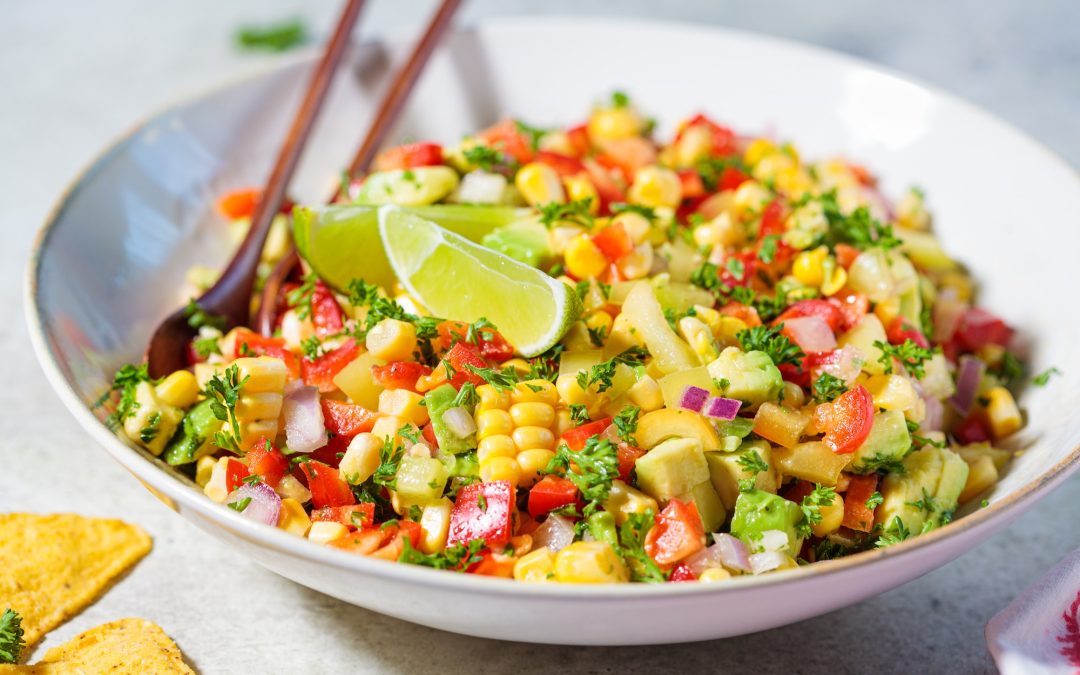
75, 75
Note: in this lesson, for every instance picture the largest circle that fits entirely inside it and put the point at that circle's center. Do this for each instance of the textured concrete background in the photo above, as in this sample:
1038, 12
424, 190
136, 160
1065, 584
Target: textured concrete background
74, 75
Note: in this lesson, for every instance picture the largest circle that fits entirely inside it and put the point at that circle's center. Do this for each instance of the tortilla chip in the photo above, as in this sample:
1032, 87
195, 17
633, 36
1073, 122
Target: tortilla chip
133, 646
52, 566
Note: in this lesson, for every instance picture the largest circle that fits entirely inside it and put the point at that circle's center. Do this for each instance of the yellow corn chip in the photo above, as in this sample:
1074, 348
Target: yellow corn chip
134, 646
52, 566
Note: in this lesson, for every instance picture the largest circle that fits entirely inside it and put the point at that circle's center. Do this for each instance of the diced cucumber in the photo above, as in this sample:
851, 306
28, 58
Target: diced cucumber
420, 480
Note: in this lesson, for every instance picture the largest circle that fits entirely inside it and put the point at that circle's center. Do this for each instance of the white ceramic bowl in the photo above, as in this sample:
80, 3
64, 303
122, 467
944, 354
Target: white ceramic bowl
114, 252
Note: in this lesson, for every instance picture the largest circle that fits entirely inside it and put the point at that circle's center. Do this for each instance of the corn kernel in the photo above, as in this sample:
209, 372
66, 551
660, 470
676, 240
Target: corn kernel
808, 267
520, 366
204, 467
361, 458
579, 188
623, 335
217, 488
493, 422
538, 390
535, 566
758, 149
695, 142
293, 518
500, 468
635, 224
434, 526
527, 438
600, 322
560, 237
259, 406
583, 259
832, 515
179, 390
730, 327
569, 391
709, 316
204, 372
539, 184
531, 462
404, 404
590, 562
793, 395
498, 445
721, 230
392, 340
612, 123
251, 432
326, 531
700, 338
1002, 413
714, 574
563, 421
656, 186
983, 473
749, 198
557, 141
888, 309
532, 414
263, 373
290, 488
835, 278
490, 397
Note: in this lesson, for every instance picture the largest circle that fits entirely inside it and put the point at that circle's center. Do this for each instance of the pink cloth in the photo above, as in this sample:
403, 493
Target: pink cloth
1039, 633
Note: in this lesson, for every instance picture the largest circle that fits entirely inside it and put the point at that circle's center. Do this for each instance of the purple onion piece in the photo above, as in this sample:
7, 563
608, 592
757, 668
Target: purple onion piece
305, 429
263, 505
733, 552
556, 533
934, 420
722, 408
969, 374
693, 398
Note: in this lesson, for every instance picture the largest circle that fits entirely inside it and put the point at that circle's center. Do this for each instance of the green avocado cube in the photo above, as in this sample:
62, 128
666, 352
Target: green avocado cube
710, 508
925, 493
749, 376
726, 471
757, 512
887, 445
672, 468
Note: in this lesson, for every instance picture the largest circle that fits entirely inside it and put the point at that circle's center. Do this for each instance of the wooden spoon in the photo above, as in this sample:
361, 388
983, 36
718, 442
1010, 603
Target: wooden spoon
393, 100
230, 296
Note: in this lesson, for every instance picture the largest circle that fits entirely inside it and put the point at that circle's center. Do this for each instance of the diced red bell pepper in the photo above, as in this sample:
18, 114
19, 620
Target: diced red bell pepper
847, 420
400, 374
901, 330
267, 461
235, 473
346, 419
979, 328
386, 541
460, 356
628, 456
797, 490
682, 572
579, 139
564, 165
550, 493
862, 174
692, 185
322, 371
326, 314
239, 203
613, 241
772, 219
676, 534
409, 156
972, 430
857, 515
364, 515
575, 438
819, 308
249, 343
507, 138
845, 254
428, 432
731, 178
327, 487
853, 307
795, 374
723, 138
606, 187
483, 511
491, 342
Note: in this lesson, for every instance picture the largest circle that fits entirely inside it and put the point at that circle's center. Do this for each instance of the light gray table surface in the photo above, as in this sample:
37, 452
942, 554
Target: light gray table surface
74, 75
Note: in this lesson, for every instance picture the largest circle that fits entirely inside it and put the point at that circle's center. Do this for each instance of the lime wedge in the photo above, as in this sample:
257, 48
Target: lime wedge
341, 242
456, 279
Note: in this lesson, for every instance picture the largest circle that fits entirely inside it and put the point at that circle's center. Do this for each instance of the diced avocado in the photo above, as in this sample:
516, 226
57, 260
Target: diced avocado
672, 468
525, 242
438, 401
152, 422
463, 469
887, 444
863, 336
712, 511
726, 471
925, 494
733, 432
420, 480
750, 376
757, 511
408, 187
194, 439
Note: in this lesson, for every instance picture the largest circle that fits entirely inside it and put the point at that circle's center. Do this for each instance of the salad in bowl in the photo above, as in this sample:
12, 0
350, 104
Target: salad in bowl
586, 355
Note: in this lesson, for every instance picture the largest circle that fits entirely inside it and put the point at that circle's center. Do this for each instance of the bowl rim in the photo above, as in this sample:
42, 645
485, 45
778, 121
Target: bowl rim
173, 490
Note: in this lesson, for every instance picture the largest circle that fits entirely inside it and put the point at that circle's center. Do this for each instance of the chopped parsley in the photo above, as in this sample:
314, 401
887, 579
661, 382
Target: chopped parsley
626, 423
11, 636
303, 296
859, 229
1043, 378
619, 99
312, 348
466, 397
767, 251
125, 381
770, 340
153, 425
882, 462
909, 354
239, 505
602, 373
485, 157
1009, 370
576, 212
875, 500
197, 317
223, 390
648, 212
894, 533
632, 548
533, 133
827, 387
502, 380
752, 463
205, 346
811, 507
579, 414
458, 557
277, 37
598, 462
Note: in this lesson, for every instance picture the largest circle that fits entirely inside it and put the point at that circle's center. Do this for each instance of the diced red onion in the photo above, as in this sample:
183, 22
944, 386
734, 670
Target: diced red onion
811, 333
726, 551
766, 562
693, 398
305, 429
556, 533
481, 187
934, 419
968, 375
459, 422
264, 505
948, 310
722, 408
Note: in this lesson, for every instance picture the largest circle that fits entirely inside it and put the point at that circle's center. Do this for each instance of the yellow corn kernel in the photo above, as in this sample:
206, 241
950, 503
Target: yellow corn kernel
259, 406
748, 198
556, 141
290, 488
614, 122
1002, 413
204, 467
808, 266
293, 518
569, 391
490, 398
888, 309
600, 322
498, 445
656, 186
392, 340
535, 566
404, 404
539, 184
700, 338
834, 281
623, 501
715, 574
520, 366
217, 488
560, 237
204, 372
891, 392
152, 422
793, 395
637, 263
635, 224
832, 515
721, 230
583, 259
179, 390
563, 421
758, 149
695, 142
730, 327
646, 394
252, 432
590, 562
990, 354
528, 438
500, 468
960, 283
531, 462
532, 414
538, 390
493, 422
772, 166
263, 373
983, 473
434, 526
326, 531
579, 188
361, 458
